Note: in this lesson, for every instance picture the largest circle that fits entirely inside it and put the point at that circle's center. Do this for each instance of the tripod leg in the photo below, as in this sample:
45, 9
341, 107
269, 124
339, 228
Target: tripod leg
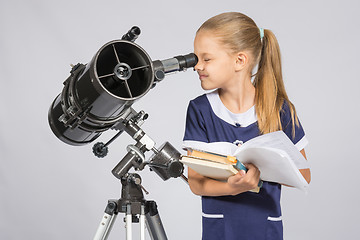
153, 221
128, 222
142, 223
107, 221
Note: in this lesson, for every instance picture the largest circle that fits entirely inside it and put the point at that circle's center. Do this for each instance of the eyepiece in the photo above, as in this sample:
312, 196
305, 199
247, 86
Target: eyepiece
132, 34
178, 63
187, 61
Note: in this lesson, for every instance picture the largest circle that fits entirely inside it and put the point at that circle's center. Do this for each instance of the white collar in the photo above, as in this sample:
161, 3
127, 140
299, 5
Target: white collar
236, 119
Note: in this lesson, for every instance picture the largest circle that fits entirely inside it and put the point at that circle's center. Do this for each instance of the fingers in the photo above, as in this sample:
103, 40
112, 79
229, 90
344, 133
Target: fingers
254, 174
249, 165
235, 179
252, 169
245, 180
241, 173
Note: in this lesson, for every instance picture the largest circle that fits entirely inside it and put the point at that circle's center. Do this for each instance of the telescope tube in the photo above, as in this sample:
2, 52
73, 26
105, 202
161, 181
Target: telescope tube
98, 95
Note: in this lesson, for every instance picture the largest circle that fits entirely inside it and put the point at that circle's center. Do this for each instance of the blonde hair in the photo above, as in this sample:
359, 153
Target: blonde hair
238, 32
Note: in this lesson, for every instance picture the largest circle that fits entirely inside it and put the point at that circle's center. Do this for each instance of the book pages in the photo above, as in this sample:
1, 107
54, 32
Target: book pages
277, 140
274, 165
215, 170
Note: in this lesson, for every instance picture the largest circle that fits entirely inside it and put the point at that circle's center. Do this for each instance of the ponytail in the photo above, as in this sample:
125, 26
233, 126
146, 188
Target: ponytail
270, 90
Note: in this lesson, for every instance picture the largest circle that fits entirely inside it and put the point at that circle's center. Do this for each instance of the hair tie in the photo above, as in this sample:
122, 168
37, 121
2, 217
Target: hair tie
261, 33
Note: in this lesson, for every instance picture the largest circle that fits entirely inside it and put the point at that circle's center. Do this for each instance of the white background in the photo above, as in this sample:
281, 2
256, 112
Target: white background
51, 190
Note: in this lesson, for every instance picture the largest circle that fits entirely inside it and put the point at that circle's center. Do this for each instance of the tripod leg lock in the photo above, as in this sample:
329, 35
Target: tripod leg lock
111, 207
107, 221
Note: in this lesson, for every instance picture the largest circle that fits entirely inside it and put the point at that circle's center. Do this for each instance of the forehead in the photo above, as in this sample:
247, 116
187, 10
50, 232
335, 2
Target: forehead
206, 42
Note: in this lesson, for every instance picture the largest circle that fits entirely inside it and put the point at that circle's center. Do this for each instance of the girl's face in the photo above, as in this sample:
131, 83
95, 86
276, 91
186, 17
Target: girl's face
216, 65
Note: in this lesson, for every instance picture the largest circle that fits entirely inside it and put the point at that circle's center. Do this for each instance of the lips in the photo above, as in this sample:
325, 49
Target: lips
202, 76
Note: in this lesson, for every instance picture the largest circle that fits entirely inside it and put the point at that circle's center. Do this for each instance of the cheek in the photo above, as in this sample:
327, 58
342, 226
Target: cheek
223, 69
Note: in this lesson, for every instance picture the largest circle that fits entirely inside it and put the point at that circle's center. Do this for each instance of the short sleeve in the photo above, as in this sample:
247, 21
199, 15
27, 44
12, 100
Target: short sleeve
299, 138
195, 125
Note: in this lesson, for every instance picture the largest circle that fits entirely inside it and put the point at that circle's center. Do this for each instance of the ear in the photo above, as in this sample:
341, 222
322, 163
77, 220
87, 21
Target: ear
242, 60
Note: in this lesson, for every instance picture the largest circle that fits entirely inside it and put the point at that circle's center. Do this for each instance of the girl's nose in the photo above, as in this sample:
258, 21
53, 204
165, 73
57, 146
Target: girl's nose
199, 66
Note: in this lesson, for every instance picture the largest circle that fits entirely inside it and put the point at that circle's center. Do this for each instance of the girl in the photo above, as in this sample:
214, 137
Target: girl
229, 46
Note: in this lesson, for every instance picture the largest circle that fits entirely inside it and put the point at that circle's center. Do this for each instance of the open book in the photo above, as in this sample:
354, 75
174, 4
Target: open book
274, 154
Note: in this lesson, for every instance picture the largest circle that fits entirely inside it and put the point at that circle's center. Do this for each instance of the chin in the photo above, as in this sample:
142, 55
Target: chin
207, 87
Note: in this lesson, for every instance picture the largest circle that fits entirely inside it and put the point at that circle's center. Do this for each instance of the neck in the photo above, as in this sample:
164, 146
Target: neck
239, 96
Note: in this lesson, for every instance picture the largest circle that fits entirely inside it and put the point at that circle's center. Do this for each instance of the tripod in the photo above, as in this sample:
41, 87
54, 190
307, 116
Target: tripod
165, 162
136, 208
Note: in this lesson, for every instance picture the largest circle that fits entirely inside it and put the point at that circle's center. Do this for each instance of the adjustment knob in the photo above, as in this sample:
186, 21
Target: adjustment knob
100, 150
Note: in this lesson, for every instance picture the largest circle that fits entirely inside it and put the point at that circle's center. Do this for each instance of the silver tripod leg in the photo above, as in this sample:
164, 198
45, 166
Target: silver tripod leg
128, 220
129, 223
142, 223
107, 222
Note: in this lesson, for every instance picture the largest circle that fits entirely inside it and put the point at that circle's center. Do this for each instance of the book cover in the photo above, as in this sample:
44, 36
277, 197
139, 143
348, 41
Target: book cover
212, 169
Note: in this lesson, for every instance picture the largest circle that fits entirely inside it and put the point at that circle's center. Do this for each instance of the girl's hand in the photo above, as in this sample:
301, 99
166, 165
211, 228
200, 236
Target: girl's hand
244, 181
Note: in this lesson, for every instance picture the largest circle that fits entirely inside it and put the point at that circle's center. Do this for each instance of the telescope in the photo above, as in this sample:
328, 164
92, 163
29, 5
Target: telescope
98, 96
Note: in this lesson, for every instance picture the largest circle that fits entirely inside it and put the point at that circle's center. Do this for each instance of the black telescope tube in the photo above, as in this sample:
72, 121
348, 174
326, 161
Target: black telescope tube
94, 99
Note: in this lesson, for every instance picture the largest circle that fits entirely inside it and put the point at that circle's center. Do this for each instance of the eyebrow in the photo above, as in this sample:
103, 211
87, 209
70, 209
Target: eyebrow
204, 54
